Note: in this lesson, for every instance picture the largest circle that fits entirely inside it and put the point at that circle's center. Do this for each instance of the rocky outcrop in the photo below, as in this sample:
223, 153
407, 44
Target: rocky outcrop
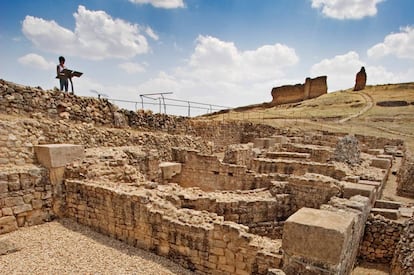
312, 88
360, 80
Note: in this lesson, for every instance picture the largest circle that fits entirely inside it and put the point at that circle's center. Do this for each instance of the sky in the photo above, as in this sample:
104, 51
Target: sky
219, 52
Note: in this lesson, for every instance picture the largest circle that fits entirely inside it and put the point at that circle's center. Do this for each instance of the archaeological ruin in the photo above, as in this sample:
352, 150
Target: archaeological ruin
313, 87
217, 197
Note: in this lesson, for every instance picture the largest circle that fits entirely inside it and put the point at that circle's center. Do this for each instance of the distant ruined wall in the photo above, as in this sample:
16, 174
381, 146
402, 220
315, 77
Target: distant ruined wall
312, 88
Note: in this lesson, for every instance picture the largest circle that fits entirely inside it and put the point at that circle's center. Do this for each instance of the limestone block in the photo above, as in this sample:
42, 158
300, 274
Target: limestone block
13, 201
22, 208
169, 169
280, 139
274, 271
392, 214
388, 204
375, 152
304, 231
58, 155
353, 189
381, 163
8, 224
263, 142
376, 184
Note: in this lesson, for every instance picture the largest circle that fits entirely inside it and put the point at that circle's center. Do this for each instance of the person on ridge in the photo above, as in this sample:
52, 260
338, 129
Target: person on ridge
360, 80
64, 83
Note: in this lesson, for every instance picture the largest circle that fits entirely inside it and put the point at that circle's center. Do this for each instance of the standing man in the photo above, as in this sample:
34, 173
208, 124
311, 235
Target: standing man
62, 78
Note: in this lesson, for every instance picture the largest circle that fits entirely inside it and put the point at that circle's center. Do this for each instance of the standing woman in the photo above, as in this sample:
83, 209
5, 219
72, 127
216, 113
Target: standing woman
62, 78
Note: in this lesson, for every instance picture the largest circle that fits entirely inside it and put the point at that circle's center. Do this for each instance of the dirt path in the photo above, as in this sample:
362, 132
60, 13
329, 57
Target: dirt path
369, 103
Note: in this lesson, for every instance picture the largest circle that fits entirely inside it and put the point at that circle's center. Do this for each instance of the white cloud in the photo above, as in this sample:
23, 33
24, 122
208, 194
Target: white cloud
131, 67
341, 71
36, 61
217, 72
216, 60
150, 32
399, 44
347, 9
96, 36
165, 4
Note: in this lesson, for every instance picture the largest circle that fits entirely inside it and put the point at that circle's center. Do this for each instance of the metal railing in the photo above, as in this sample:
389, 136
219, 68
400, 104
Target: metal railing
162, 102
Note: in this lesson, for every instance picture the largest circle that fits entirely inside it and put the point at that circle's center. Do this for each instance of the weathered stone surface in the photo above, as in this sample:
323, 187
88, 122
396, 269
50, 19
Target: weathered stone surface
295, 93
305, 229
360, 80
8, 224
347, 150
169, 169
58, 155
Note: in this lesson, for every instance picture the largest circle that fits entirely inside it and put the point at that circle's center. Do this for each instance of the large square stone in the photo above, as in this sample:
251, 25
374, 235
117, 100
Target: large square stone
318, 235
58, 155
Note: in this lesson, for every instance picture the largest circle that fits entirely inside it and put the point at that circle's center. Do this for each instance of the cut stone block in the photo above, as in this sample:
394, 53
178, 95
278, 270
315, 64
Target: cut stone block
381, 163
392, 214
169, 169
263, 143
280, 139
8, 224
317, 235
353, 189
376, 184
387, 204
375, 152
58, 155
288, 155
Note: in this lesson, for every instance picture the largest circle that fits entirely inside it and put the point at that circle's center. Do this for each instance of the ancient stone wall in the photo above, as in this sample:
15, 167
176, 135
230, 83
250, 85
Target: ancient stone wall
380, 239
273, 229
18, 138
209, 174
295, 93
403, 262
199, 241
242, 208
25, 197
294, 167
405, 176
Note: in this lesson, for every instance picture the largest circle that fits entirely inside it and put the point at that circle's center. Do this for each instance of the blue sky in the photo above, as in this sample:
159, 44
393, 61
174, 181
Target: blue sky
223, 52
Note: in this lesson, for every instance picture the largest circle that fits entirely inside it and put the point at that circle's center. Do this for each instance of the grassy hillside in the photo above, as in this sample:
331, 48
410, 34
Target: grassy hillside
381, 110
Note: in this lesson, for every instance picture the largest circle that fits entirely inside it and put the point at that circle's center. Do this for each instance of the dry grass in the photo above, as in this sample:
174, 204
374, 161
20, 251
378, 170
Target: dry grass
325, 112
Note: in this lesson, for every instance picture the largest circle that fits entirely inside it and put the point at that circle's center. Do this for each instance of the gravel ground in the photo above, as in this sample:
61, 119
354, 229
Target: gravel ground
65, 247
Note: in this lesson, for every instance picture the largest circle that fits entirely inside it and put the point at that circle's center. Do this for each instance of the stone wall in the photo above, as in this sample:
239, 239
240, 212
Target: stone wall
405, 176
403, 262
251, 208
294, 167
25, 197
199, 241
295, 93
66, 108
18, 138
273, 230
380, 239
209, 174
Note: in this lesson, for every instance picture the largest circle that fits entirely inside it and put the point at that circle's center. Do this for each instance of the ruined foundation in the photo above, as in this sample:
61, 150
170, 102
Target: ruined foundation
215, 197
